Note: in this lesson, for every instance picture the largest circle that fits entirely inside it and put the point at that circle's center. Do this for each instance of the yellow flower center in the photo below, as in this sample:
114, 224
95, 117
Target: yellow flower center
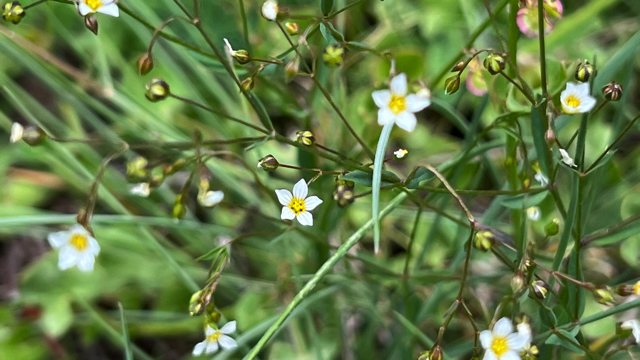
572, 101
636, 288
215, 336
94, 4
297, 206
79, 241
499, 346
397, 104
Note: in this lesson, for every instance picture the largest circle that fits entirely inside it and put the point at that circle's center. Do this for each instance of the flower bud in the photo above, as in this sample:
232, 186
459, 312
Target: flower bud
242, 56
540, 289
400, 154
552, 228
145, 63
436, 353
270, 10
157, 89
174, 168
137, 169
518, 283
268, 163
625, 290
612, 91
343, 193
156, 180
34, 135
13, 12
426, 355
198, 303
452, 84
211, 316
179, 210
484, 240
292, 28
248, 83
603, 294
459, 66
584, 71
333, 55
91, 23
291, 69
494, 63
305, 138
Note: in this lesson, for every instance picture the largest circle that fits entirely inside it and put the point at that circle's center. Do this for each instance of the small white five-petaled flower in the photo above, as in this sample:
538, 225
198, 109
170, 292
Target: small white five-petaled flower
396, 106
502, 343
107, 7
566, 158
216, 338
17, 131
211, 198
575, 99
77, 248
270, 10
634, 326
298, 205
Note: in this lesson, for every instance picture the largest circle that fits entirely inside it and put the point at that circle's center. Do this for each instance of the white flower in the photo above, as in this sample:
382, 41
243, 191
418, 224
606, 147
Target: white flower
270, 10
533, 213
77, 248
576, 99
211, 198
634, 326
141, 189
400, 153
566, 158
298, 205
17, 131
502, 343
541, 178
216, 338
524, 329
396, 105
108, 7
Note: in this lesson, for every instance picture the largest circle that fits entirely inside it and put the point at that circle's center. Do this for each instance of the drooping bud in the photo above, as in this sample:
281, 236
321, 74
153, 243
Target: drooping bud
459, 66
291, 69
157, 89
436, 353
34, 135
333, 55
137, 169
518, 283
583, 71
91, 23
179, 210
268, 163
494, 63
343, 193
540, 289
603, 294
612, 91
452, 84
248, 83
552, 228
13, 12
484, 240
625, 290
145, 63
292, 28
156, 180
305, 137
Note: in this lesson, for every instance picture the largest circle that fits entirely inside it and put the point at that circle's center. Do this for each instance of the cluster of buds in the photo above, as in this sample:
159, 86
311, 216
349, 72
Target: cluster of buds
484, 240
612, 91
13, 12
305, 137
157, 89
268, 163
343, 193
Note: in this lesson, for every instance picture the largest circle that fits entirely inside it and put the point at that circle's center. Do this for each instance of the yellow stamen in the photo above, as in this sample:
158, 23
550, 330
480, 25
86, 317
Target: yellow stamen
215, 336
572, 101
397, 104
79, 241
499, 346
94, 4
636, 288
297, 206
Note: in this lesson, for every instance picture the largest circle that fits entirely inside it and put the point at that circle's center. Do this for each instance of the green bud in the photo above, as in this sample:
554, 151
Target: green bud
603, 294
518, 282
212, 316
145, 63
459, 66
179, 210
34, 135
292, 28
552, 228
197, 303
494, 63
157, 89
540, 289
436, 353
174, 168
452, 84
612, 91
305, 138
13, 12
242, 56
426, 355
137, 169
291, 69
268, 163
584, 71
327, 6
343, 193
333, 55
484, 240
248, 83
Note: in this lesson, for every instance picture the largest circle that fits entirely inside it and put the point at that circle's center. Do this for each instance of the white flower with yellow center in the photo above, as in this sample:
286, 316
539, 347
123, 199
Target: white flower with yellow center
77, 248
17, 131
634, 326
270, 10
107, 7
566, 158
298, 205
575, 99
216, 338
396, 106
502, 343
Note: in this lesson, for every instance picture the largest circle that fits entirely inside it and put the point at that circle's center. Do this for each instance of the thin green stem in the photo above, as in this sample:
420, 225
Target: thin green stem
245, 24
613, 144
543, 51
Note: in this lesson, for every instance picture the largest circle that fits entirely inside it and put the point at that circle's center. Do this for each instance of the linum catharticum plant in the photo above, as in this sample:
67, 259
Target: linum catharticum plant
257, 215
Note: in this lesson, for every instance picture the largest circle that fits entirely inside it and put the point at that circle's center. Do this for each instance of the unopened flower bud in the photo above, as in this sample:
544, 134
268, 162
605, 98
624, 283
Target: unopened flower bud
603, 294
305, 138
156, 180
584, 71
145, 63
452, 84
436, 353
211, 316
459, 66
518, 283
540, 289
625, 290
137, 169
343, 193
13, 12
34, 135
494, 63
612, 91
91, 23
268, 163
425, 355
270, 10
179, 210
552, 228
484, 240
400, 154
197, 304
174, 168
333, 55
292, 28
291, 69
248, 83
242, 56
550, 137
157, 89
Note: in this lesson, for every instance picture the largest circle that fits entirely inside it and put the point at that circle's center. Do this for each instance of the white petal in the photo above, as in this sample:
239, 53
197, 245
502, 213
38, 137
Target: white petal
86, 261
17, 131
416, 103
634, 326
209, 331
84, 9
94, 248
67, 257
284, 196
110, 9
399, 85
199, 348
300, 189
486, 338
58, 239
406, 120
305, 218
489, 355
381, 98
385, 116
228, 328
312, 202
580, 89
587, 103
226, 342
566, 158
228, 47
287, 214
510, 355
503, 327
524, 329
533, 213
270, 10
211, 198
212, 346
79, 229
517, 341
141, 189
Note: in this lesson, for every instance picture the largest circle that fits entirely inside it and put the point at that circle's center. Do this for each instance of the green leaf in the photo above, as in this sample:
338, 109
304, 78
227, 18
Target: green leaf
366, 179
326, 6
125, 334
326, 33
538, 130
556, 340
358, 46
524, 201
419, 176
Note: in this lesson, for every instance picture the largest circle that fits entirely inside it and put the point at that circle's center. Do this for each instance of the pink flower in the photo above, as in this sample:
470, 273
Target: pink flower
527, 18
475, 79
